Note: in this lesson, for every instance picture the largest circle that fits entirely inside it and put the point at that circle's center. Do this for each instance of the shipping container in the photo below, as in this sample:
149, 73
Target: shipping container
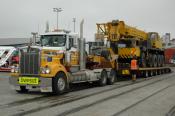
170, 56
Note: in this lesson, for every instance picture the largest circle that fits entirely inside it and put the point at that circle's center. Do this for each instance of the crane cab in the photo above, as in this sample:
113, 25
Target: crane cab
155, 40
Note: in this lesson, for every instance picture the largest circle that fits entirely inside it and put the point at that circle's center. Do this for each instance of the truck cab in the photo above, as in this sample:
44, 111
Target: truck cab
39, 64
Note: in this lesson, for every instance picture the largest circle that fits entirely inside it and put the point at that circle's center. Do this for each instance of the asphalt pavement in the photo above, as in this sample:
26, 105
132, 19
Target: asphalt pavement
153, 96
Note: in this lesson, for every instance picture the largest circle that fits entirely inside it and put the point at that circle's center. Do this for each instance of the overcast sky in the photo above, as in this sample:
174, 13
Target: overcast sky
18, 18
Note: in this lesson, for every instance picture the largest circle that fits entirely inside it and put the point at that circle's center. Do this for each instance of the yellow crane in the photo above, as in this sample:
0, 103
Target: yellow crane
127, 42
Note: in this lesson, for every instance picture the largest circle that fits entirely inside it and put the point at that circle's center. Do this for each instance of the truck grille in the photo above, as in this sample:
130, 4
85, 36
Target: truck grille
29, 63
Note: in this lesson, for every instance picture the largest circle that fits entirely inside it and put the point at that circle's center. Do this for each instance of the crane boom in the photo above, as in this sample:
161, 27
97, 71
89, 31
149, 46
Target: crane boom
116, 30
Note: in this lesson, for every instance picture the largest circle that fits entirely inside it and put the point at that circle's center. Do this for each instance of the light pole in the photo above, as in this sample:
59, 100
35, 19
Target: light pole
57, 10
74, 20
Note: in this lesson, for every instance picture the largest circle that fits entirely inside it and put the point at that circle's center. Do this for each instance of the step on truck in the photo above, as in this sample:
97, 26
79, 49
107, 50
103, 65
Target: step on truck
60, 60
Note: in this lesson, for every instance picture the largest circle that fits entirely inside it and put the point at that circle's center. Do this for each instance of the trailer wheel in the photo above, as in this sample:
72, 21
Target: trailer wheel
22, 90
154, 73
158, 72
59, 84
150, 73
162, 71
112, 77
103, 79
145, 74
169, 70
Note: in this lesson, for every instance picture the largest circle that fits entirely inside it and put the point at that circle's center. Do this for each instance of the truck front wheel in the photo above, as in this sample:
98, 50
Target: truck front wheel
59, 83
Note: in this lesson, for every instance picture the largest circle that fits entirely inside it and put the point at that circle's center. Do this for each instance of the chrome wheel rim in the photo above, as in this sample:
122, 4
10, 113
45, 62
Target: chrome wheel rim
61, 84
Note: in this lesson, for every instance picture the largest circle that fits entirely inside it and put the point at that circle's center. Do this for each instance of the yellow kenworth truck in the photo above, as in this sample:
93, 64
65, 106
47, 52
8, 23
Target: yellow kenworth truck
61, 59
129, 42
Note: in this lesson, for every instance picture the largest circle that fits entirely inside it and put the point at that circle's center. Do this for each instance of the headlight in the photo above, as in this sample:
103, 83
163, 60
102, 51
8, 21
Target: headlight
45, 70
14, 69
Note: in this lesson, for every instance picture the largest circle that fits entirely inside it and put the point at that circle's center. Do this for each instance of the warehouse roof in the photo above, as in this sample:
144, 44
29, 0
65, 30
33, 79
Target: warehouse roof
13, 41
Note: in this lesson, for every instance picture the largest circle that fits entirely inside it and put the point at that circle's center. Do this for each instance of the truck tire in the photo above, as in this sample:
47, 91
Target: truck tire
146, 74
112, 77
22, 90
143, 60
154, 73
159, 62
158, 72
162, 60
154, 60
150, 61
103, 80
59, 84
150, 73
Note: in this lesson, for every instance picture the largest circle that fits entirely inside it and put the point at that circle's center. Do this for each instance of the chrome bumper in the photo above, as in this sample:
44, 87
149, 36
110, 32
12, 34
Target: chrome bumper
45, 84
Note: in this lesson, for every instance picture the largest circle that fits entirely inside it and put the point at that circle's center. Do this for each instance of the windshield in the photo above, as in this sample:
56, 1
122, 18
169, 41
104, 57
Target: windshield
53, 40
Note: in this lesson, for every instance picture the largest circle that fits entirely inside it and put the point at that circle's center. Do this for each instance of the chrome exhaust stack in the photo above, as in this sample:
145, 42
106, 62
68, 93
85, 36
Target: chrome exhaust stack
82, 47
